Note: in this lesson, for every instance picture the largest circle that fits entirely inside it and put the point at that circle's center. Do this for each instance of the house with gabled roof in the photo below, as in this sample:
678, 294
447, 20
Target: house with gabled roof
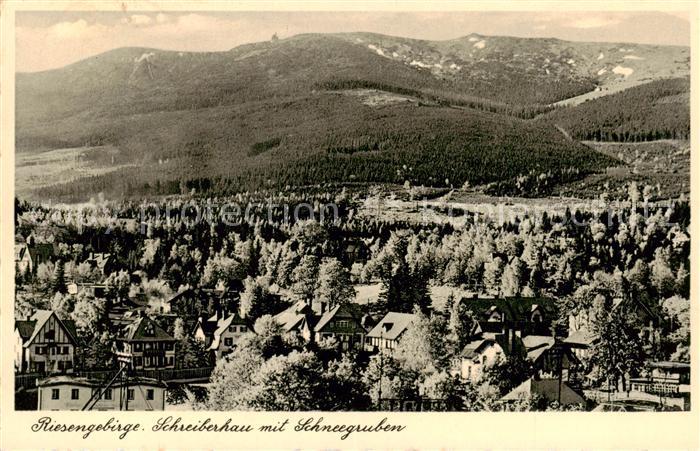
229, 330
45, 343
387, 333
529, 315
549, 355
23, 259
146, 345
344, 322
483, 352
298, 319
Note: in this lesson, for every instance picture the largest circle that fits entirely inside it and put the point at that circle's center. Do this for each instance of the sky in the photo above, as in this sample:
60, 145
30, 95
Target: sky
48, 40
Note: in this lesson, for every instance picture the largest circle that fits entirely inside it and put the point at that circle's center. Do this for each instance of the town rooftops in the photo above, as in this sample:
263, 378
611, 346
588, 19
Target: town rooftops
513, 309
28, 330
85, 382
145, 329
392, 325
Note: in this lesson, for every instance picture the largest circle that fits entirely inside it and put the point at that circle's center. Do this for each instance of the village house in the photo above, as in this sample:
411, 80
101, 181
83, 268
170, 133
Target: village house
479, 355
528, 316
511, 326
298, 319
196, 302
549, 356
387, 333
204, 329
45, 344
23, 259
229, 330
147, 345
29, 254
73, 393
344, 323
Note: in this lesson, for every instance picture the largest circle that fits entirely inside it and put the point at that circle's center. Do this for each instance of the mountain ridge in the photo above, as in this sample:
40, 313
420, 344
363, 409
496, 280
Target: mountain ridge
351, 106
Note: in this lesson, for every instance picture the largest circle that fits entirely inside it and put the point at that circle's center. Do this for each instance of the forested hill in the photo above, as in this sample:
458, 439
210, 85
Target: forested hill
317, 108
655, 110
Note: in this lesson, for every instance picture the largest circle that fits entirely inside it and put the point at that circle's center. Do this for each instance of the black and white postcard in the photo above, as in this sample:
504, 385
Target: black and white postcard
379, 225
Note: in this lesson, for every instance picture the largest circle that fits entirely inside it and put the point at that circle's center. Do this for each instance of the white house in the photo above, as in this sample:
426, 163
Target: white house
229, 331
477, 356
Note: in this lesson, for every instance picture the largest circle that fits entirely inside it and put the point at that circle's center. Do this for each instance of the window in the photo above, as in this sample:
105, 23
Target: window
53, 351
130, 394
170, 360
75, 393
484, 360
150, 394
107, 394
49, 335
137, 346
40, 350
147, 346
243, 328
66, 350
232, 328
55, 393
168, 346
228, 341
138, 361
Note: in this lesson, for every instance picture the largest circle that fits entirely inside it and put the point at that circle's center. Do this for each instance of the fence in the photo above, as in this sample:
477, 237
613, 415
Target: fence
29, 381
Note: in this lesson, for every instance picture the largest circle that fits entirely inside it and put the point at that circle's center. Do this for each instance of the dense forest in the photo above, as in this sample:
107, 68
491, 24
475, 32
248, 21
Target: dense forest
330, 139
655, 110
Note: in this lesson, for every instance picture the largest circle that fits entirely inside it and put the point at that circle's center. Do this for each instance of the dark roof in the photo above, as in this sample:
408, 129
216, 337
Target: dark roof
25, 328
392, 325
70, 326
137, 331
515, 309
